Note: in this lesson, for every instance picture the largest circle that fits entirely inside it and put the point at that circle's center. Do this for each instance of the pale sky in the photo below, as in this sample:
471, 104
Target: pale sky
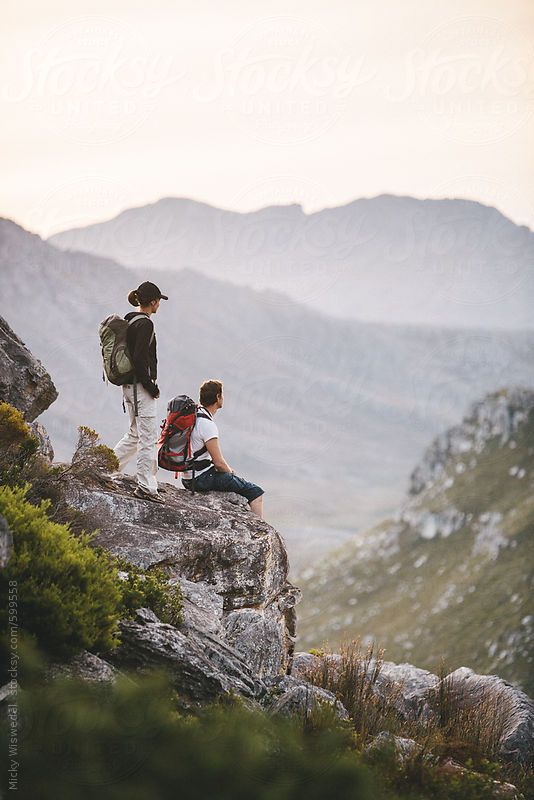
110, 104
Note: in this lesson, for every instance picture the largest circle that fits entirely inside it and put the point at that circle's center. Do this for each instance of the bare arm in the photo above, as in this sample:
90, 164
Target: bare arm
214, 449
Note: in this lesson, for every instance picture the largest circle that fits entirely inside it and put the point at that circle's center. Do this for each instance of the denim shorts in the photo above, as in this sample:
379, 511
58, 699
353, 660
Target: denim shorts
213, 481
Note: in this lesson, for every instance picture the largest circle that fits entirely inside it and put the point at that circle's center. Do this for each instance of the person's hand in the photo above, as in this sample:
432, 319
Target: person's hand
153, 389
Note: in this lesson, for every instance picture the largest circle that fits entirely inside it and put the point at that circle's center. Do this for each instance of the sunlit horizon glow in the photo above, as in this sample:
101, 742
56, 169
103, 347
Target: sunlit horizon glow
242, 105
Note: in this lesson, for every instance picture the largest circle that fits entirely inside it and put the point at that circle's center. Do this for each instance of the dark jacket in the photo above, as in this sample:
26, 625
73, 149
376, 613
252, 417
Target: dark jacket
142, 350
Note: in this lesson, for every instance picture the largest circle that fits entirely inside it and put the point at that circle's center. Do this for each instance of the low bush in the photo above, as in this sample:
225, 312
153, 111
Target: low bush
127, 741
68, 596
18, 447
90, 455
148, 589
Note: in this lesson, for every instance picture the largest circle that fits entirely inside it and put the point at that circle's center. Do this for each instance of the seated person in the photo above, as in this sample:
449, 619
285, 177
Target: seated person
218, 476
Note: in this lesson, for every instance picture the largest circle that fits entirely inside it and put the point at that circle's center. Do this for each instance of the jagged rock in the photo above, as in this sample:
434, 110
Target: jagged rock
498, 415
517, 742
201, 666
24, 382
293, 696
258, 635
303, 699
303, 662
202, 606
408, 687
85, 666
209, 540
402, 749
6, 542
416, 682
45, 445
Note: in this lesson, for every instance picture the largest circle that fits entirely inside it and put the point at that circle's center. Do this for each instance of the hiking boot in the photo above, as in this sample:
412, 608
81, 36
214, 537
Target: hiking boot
144, 495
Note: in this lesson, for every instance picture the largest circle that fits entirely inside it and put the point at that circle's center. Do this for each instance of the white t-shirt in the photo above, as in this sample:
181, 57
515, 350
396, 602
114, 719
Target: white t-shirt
204, 430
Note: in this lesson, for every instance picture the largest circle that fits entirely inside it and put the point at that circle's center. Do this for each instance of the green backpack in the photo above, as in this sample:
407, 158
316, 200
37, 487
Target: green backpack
118, 366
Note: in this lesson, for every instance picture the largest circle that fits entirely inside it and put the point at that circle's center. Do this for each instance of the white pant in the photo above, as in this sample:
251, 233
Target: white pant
142, 437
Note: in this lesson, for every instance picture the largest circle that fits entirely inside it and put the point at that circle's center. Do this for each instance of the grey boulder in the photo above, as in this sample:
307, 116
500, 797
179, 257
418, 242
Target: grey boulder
85, 666
201, 666
24, 382
513, 708
291, 696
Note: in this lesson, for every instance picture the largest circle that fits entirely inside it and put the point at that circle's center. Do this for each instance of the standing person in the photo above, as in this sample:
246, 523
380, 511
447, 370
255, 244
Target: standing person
140, 397
217, 476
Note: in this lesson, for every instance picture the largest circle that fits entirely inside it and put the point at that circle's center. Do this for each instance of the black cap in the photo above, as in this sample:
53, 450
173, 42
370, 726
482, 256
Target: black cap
150, 290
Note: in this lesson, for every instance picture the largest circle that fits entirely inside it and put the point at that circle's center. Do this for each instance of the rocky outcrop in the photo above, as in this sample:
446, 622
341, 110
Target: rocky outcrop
413, 691
44, 444
497, 416
24, 382
232, 566
200, 665
514, 710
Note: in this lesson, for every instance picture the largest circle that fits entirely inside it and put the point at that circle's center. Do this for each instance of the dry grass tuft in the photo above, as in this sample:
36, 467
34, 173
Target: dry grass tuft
353, 676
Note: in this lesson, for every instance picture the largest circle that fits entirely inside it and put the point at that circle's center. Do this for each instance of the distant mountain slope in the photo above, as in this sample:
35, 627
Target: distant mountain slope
327, 415
388, 258
452, 575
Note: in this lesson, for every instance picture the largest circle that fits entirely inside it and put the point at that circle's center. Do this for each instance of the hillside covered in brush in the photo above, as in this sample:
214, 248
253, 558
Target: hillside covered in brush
451, 575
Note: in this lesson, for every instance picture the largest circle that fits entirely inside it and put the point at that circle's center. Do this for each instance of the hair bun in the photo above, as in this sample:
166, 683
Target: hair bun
133, 299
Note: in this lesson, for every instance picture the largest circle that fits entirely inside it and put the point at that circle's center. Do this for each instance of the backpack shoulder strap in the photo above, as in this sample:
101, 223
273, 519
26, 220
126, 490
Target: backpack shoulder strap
143, 316
201, 413
139, 316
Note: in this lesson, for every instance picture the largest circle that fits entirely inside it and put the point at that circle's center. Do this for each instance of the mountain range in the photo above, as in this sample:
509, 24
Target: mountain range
392, 259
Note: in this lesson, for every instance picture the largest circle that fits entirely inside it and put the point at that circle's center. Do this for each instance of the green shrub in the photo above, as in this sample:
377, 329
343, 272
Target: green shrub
68, 595
18, 447
127, 741
92, 456
90, 463
13, 428
419, 777
149, 589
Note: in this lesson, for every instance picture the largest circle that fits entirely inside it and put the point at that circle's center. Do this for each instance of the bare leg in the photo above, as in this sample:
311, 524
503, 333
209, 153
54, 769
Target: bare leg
257, 506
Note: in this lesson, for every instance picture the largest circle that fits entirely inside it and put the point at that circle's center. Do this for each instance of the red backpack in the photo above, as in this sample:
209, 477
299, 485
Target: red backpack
174, 446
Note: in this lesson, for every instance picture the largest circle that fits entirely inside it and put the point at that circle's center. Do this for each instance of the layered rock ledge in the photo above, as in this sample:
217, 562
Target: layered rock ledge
232, 566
